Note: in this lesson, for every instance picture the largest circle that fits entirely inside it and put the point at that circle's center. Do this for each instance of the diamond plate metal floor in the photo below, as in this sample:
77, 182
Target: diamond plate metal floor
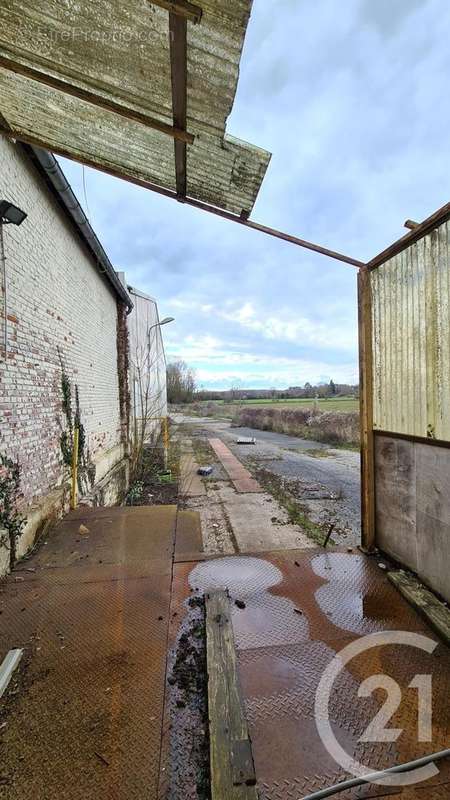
83, 716
301, 608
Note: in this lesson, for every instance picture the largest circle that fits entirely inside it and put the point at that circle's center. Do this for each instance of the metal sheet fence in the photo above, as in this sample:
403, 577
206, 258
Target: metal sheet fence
411, 339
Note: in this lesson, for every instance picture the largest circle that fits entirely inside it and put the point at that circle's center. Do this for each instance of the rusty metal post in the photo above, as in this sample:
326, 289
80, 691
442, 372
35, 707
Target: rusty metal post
366, 410
73, 490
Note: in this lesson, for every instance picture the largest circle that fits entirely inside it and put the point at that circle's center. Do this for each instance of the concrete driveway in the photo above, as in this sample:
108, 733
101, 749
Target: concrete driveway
324, 480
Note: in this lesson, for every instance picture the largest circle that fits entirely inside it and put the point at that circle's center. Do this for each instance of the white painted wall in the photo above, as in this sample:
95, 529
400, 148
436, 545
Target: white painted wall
147, 359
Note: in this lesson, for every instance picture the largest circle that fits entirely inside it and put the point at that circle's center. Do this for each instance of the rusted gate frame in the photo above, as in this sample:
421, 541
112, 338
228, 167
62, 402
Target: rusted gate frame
180, 13
368, 483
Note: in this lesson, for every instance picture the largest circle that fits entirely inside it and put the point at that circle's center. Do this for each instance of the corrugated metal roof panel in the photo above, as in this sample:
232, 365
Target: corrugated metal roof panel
121, 51
411, 339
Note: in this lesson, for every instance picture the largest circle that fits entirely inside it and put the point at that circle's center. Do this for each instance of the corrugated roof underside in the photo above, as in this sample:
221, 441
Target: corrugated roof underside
411, 339
122, 52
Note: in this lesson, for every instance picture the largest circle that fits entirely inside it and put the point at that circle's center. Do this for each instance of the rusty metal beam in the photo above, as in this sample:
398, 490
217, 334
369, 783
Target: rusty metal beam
428, 225
97, 100
182, 8
178, 62
287, 237
368, 533
246, 223
409, 223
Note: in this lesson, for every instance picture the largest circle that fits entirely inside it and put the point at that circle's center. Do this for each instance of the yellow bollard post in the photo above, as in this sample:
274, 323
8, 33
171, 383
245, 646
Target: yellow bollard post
166, 442
73, 491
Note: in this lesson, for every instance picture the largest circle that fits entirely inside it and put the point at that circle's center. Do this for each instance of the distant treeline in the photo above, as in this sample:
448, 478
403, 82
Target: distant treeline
330, 389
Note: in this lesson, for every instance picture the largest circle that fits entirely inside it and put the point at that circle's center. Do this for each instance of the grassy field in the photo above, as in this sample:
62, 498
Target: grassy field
325, 404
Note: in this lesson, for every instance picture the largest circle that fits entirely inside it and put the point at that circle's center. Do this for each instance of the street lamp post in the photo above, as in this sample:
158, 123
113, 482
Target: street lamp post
164, 321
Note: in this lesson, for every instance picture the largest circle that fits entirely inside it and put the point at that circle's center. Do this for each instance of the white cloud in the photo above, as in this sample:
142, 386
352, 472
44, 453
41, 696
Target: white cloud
353, 103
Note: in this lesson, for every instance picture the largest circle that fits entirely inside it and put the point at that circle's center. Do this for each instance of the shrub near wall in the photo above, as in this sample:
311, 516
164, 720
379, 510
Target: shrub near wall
331, 427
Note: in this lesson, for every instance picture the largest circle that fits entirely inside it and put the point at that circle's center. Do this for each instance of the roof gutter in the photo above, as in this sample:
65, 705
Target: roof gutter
48, 164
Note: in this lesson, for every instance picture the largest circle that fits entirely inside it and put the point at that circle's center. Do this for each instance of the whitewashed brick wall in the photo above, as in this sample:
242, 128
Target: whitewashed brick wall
56, 298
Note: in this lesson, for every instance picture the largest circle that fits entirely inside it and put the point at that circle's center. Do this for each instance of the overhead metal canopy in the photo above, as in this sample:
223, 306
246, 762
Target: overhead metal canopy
141, 91
117, 84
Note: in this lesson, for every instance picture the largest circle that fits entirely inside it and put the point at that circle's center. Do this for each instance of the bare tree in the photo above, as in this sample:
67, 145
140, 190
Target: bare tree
148, 387
180, 382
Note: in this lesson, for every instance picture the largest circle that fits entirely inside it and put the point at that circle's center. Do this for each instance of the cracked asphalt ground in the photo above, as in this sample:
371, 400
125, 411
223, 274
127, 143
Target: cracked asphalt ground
323, 480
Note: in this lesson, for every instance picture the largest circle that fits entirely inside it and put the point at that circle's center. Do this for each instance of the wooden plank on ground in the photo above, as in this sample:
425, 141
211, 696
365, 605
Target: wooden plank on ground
232, 769
425, 602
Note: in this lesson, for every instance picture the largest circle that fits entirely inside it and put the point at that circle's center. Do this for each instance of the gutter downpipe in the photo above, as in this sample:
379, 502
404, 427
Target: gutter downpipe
5, 288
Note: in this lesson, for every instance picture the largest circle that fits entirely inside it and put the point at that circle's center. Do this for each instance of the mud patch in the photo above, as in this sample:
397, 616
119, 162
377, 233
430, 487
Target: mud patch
188, 708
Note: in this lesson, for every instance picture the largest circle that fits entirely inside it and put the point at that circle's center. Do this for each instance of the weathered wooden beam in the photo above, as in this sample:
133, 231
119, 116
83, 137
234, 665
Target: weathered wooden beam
182, 8
366, 410
232, 769
179, 134
178, 61
425, 602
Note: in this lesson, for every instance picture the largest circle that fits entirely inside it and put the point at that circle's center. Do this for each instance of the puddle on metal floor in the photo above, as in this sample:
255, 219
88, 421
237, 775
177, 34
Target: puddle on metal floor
300, 610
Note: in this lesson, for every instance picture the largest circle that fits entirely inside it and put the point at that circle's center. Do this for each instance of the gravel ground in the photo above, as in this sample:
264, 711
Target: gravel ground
326, 481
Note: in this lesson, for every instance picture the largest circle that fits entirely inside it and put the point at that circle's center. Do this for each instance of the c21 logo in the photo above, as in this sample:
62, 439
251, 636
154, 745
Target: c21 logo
377, 731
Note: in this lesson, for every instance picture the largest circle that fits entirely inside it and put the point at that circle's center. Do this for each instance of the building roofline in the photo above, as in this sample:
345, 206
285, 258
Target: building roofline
58, 184
138, 293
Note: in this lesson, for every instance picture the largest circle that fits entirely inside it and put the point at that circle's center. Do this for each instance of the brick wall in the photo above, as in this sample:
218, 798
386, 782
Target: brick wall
56, 298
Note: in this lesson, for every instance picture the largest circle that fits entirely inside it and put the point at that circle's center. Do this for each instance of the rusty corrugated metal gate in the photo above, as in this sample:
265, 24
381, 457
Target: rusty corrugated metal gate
405, 391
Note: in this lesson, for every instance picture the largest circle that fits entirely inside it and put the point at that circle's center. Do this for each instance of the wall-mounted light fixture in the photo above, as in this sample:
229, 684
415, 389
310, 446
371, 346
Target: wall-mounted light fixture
9, 215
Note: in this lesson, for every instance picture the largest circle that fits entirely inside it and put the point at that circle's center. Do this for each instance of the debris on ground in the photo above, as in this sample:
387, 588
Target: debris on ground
246, 440
204, 470
156, 484
329, 532
188, 689
240, 604
83, 530
165, 476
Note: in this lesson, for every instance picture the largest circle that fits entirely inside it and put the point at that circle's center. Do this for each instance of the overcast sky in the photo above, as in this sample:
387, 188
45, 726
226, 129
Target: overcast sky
352, 99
